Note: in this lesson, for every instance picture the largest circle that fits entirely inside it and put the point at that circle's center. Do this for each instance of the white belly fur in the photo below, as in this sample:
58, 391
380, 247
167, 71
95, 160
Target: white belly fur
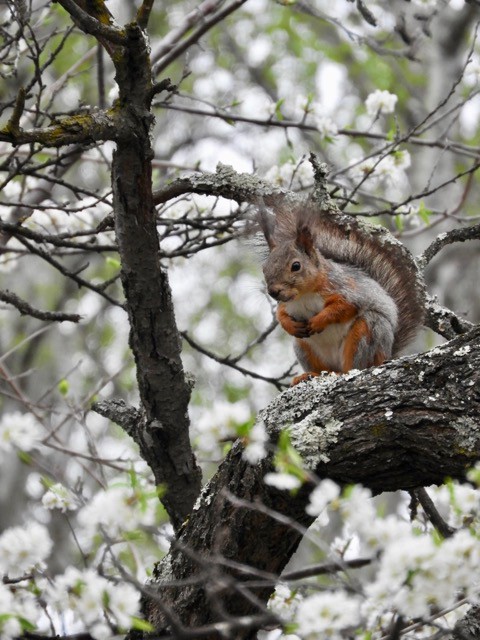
327, 345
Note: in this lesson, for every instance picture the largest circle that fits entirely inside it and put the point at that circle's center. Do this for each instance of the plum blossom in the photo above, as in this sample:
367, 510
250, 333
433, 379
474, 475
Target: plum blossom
285, 481
59, 497
19, 431
321, 497
114, 510
255, 449
326, 615
284, 601
326, 126
89, 596
385, 171
14, 610
291, 175
380, 102
24, 548
416, 573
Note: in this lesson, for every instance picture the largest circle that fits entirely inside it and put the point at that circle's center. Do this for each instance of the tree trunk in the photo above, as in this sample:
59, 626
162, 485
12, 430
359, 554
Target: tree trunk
408, 424
163, 434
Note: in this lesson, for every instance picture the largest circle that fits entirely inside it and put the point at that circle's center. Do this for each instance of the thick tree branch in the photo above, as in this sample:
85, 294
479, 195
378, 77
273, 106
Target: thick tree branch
82, 128
400, 426
225, 182
119, 412
432, 513
163, 434
99, 25
449, 237
143, 13
444, 321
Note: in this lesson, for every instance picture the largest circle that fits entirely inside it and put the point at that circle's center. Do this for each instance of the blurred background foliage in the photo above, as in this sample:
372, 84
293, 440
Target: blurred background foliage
259, 91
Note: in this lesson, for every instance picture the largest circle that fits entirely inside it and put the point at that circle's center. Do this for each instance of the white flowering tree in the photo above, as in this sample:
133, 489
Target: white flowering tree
134, 138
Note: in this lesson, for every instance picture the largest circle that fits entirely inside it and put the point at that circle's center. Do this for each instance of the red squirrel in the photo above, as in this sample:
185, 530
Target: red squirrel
347, 291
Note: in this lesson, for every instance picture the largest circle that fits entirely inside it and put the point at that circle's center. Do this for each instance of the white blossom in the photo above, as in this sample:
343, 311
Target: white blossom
472, 73
387, 171
326, 615
277, 634
88, 596
380, 102
326, 126
255, 450
24, 548
456, 502
285, 481
123, 603
284, 601
357, 508
322, 496
380, 532
219, 424
14, 609
115, 510
19, 430
291, 175
417, 573
401, 159
59, 497
302, 105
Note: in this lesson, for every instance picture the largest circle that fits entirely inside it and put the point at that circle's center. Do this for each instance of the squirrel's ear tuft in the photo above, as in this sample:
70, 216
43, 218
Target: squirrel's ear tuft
267, 223
304, 240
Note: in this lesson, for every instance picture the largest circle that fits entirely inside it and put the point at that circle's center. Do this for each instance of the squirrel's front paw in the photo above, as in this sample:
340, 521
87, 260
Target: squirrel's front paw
297, 328
301, 329
314, 327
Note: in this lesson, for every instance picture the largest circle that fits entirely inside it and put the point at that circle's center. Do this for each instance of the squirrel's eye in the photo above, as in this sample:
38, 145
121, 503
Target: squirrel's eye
296, 266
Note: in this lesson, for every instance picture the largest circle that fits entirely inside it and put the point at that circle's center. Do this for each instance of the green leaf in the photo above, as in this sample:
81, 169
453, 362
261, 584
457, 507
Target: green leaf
63, 387
25, 457
26, 624
278, 109
142, 625
133, 535
244, 428
161, 490
287, 459
132, 474
424, 213
113, 262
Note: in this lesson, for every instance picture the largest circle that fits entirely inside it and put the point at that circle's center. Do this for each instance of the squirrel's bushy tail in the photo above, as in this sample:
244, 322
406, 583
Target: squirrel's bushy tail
346, 239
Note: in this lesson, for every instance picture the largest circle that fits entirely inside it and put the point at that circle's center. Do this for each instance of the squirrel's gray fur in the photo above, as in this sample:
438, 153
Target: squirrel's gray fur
349, 243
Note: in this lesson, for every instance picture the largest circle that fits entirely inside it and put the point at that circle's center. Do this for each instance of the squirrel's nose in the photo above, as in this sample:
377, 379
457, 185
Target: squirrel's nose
275, 291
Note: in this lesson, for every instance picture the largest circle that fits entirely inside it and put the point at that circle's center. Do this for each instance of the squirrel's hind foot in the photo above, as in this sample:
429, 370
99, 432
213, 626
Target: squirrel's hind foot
304, 376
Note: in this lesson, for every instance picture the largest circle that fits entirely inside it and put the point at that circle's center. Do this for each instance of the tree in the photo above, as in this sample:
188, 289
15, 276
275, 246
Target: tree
102, 195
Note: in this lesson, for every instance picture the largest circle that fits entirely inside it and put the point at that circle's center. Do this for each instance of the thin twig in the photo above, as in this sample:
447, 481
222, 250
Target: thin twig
27, 310
432, 513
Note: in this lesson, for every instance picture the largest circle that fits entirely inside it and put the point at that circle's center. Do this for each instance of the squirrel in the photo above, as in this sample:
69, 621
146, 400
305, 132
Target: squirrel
348, 291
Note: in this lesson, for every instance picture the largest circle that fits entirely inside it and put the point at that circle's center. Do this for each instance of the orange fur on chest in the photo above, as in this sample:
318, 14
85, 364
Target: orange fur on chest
336, 310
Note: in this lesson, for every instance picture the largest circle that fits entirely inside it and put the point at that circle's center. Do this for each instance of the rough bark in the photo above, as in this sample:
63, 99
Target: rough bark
164, 392
407, 424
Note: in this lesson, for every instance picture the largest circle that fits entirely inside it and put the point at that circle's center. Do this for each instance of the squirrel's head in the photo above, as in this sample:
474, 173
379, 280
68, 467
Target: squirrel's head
292, 266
